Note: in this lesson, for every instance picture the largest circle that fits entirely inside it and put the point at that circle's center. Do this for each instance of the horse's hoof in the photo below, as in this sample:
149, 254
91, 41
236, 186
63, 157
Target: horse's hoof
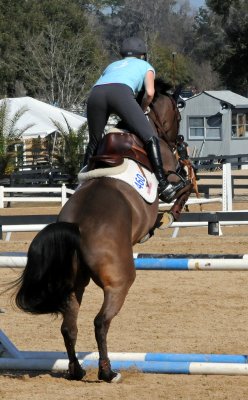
117, 378
105, 372
110, 377
77, 376
166, 221
76, 373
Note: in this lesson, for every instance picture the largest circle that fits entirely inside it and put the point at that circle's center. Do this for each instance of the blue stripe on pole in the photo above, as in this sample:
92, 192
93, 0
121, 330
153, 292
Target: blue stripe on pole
210, 358
193, 256
13, 254
144, 366
158, 357
161, 264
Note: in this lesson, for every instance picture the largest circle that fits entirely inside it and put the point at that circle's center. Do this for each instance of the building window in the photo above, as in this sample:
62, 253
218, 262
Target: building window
205, 127
239, 125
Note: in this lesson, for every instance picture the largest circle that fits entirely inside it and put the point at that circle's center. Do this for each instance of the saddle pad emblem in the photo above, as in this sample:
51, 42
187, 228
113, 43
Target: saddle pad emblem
142, 180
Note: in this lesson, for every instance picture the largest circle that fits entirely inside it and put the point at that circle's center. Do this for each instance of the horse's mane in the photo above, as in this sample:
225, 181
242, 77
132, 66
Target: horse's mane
161, 88
165, 88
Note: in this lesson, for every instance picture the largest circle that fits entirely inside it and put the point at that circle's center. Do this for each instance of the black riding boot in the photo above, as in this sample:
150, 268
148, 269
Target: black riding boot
90, 151
167, 191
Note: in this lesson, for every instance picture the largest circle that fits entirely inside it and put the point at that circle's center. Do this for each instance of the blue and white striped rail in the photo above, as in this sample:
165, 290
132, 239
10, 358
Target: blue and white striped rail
159, 262
184, 264
192, 368
157, 367
9, 350
142, 357
183, 255
162, 363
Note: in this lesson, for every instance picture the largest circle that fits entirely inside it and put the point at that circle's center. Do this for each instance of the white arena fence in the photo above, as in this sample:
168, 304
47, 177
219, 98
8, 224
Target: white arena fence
63, 191
35, 225
212, 220
7, 194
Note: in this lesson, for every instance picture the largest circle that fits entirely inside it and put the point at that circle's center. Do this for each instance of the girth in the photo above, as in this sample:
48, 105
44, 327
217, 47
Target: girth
115, 146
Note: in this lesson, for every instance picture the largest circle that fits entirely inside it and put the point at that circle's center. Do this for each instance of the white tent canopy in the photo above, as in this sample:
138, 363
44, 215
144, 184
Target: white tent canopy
41, 115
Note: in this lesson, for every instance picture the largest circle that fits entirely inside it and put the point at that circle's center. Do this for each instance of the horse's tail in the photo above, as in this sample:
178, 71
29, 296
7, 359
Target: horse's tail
48, 278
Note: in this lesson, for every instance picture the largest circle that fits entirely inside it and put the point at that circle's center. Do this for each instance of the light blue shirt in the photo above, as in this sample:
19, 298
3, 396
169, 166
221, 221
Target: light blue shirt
130, 71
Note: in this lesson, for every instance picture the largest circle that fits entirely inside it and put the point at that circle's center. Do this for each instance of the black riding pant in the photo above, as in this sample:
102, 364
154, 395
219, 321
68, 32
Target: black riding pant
115, 99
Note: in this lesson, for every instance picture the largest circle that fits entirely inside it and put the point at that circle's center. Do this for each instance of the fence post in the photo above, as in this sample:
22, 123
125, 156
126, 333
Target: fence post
63, 195
1, 196
214, 228
227, 187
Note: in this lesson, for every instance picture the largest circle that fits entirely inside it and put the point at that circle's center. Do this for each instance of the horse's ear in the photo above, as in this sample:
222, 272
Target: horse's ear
177, 92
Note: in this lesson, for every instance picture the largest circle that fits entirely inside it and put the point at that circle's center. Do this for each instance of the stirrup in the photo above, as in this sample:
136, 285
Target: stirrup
179, 176
169, 192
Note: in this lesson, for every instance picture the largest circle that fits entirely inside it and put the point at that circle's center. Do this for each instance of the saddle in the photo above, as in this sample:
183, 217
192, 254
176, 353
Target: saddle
117, 145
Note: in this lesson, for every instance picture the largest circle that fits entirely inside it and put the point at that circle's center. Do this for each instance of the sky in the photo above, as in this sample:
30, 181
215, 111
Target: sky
197, 3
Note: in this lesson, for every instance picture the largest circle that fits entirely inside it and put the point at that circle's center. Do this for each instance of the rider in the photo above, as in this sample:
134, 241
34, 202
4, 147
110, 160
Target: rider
182, 148
115, 92
183, 154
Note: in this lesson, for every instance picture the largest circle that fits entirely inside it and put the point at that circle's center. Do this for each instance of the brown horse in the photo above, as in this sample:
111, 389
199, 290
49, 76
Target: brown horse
186, 167
93, 239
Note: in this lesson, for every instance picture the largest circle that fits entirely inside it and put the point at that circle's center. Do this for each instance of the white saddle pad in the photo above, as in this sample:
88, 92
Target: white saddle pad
140, 178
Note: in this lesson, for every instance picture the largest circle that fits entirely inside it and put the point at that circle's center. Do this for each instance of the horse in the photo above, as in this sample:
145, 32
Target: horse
93, 238
185, 168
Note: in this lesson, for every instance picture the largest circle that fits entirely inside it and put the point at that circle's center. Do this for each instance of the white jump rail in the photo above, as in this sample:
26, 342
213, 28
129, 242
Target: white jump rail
6, 191
8, 229
226, 198
159, 363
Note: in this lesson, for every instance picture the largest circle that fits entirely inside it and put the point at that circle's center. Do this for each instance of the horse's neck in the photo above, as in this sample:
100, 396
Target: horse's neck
164, 117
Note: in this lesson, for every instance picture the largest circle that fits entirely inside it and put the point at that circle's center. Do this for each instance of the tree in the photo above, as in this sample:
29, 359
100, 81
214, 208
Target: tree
71, 149
170, 65
233, 67
222, 8
9, 136
221, 37
9, 44
166, 28
62, 70
48, 48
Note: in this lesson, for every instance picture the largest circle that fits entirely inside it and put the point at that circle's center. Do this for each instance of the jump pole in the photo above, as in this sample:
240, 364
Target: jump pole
9, 350
151, 263
157, 367
172, 255
183, 264
141, 357
160, 363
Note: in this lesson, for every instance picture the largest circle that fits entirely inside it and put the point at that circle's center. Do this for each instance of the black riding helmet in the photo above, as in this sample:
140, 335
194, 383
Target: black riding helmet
180, 138
133, 46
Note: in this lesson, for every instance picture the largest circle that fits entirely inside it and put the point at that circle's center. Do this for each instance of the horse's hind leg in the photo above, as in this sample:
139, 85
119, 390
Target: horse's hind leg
69, 331
114, 297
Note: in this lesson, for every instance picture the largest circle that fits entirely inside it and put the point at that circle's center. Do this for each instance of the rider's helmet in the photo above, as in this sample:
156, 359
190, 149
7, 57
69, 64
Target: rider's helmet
133, 46
180, 138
